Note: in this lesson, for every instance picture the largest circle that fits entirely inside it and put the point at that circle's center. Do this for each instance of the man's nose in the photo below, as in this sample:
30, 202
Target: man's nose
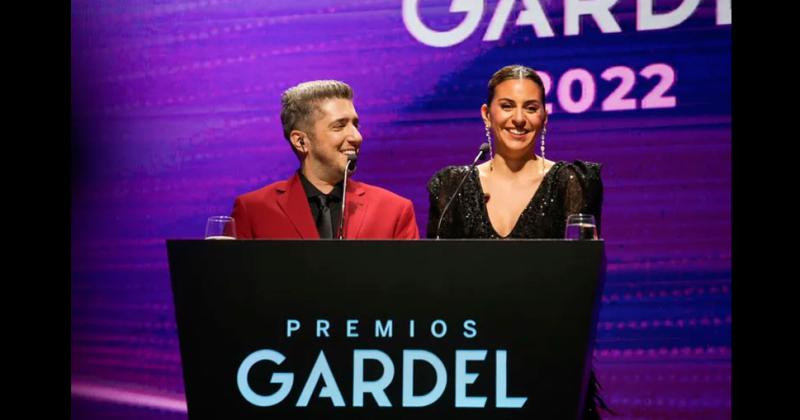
355, 136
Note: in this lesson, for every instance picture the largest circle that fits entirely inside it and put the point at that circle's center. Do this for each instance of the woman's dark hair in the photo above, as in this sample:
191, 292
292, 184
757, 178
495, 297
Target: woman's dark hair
514, 71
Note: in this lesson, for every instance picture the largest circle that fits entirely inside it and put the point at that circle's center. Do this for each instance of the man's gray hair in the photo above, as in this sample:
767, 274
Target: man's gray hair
300, 104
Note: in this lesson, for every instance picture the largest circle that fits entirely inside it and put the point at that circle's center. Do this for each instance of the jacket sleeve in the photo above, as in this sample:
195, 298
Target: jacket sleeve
239, 214
406, 227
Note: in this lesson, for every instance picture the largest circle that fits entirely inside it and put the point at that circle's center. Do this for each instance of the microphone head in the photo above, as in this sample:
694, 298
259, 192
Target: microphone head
352, 160
484, 149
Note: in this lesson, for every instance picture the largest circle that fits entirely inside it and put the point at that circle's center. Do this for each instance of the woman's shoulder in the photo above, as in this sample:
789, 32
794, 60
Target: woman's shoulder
447, 175
585, 170
581, 175
452, 170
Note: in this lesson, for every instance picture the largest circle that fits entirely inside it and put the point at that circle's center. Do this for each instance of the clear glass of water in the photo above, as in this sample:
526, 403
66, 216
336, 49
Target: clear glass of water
220, 227
580, 227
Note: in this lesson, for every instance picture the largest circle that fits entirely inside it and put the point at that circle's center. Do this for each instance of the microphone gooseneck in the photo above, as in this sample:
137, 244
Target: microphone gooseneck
483, 150
348, 168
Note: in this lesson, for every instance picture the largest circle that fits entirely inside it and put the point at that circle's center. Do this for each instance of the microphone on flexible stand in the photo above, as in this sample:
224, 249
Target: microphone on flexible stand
349, 168
484, 148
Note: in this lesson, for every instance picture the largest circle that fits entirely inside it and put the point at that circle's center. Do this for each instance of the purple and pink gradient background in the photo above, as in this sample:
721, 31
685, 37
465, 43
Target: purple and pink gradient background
176, 111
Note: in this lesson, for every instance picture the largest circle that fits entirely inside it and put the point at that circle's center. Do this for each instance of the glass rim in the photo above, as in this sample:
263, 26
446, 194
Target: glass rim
580, 215
220, 218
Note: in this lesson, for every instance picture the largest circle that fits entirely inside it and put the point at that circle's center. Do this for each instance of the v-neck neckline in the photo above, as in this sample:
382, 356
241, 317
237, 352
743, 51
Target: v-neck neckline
477, 175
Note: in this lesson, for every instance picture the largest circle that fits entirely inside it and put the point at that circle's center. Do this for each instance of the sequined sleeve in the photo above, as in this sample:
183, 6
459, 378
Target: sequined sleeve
583, 189
440, 189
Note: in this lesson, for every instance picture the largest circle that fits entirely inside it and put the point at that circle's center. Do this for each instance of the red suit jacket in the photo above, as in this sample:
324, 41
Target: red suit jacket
281, 211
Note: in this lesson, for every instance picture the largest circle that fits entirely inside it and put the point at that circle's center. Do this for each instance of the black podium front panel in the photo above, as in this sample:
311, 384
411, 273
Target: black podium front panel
465, 329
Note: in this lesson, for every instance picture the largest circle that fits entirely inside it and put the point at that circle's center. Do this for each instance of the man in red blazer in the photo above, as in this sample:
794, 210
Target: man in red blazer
321, 125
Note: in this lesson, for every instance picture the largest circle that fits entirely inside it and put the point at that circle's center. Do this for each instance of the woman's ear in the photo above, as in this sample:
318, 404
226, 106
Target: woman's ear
485, 115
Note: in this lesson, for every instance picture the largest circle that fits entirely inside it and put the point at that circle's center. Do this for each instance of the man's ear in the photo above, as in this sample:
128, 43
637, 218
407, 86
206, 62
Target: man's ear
298, 139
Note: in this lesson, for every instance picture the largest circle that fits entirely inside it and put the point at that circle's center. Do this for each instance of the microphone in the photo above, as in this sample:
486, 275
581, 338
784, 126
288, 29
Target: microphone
484, 148
352, 160
349, 168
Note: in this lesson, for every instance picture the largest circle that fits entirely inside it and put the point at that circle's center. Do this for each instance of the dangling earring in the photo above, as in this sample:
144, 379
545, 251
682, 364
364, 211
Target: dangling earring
489, 140
544, 132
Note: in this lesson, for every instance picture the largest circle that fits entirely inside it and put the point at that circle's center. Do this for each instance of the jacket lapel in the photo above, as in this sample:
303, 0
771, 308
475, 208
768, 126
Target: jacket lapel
292, 200
356, 209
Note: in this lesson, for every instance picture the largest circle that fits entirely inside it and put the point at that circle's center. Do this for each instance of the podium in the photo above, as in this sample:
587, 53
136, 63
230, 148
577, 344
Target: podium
329, 329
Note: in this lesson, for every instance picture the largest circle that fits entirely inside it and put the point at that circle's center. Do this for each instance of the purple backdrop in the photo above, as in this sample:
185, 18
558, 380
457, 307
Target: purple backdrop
176, 111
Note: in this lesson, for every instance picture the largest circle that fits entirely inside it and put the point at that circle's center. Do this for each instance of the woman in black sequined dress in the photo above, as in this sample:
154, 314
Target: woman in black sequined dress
516, 194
